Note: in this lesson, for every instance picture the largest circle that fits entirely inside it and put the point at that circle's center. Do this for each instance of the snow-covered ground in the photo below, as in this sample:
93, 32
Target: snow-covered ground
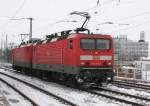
125, 97
130, 91
37, 96
5, 64
78, 97
13, 98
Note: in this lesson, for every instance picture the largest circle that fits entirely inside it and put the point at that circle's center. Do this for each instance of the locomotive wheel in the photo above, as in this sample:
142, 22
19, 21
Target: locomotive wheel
48, 75
37, 73
31, 72
55, 76
70, 82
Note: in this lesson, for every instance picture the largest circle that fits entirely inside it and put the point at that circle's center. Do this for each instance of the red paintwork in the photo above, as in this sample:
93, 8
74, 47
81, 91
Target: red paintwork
95, 62
49, 53
59, 53
23, 54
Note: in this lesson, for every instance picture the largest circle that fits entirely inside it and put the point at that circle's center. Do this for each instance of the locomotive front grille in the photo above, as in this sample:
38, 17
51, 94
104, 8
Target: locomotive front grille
97, 68
104, 71
101, 72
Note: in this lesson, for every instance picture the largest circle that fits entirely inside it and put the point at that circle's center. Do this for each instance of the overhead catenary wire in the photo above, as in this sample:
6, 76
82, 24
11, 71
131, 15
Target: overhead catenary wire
134, 16
129, 28
126, 18
97, 2
86, 10
96, 6
15, 13
132, 27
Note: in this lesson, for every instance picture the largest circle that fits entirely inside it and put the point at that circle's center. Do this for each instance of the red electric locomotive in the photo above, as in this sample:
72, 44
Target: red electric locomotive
78, 57
22, 57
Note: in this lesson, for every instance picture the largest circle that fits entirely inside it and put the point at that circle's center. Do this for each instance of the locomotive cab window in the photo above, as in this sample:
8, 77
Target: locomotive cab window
100, 44
103, 44
87, 43
70, 43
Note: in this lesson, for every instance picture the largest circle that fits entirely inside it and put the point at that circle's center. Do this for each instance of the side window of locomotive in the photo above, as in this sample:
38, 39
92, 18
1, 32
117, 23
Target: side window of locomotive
103, 44
71, 44
87, 44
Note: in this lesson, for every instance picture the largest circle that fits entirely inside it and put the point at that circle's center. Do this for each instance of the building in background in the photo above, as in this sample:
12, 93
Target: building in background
127, 51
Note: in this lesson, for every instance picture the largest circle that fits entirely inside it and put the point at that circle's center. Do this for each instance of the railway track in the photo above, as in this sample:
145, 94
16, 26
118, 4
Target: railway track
98, 93
141, 100
21, 93
62, 100
131, 84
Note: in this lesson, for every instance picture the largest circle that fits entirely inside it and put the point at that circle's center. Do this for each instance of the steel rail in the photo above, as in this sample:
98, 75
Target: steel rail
142, 86
22, 94
114, 98
65, 101
108, 96
129, 82
125, 94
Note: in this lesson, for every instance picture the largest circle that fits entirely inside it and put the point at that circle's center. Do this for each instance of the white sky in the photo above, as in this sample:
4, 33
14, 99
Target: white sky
48, 12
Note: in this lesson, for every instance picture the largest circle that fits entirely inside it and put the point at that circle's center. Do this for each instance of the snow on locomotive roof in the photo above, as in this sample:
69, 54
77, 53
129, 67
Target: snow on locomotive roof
54, 39
58, 36
128, 67
33, 41
70, 36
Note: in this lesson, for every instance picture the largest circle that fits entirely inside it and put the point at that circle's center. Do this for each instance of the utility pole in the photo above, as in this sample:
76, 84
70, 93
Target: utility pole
1, 44
6, 41
6, 49
1, 51
30, 33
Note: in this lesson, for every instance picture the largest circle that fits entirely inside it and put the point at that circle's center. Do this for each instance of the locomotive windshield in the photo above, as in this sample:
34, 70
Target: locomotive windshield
87, 43
100, 44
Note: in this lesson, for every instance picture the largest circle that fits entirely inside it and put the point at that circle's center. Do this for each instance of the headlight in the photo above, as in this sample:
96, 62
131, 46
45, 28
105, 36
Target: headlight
82, 63
108, 78
109, 63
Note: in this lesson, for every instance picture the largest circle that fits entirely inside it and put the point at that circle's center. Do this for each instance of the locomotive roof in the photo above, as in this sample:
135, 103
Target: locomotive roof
82, 35
77, 33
